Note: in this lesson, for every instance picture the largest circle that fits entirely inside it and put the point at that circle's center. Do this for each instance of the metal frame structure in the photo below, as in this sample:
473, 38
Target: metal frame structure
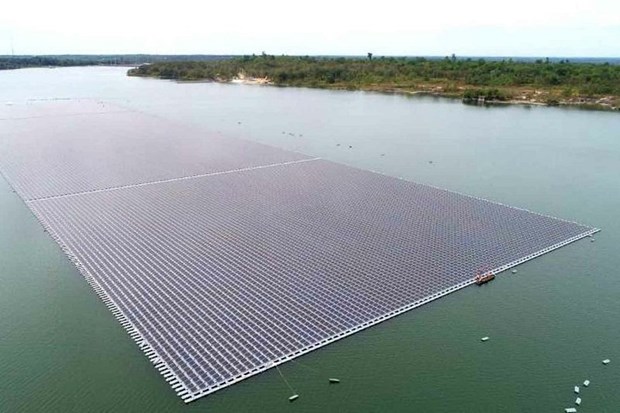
241, 262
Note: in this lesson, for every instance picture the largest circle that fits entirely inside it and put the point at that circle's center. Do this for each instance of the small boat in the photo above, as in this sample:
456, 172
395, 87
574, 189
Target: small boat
484, 339
606, 361
293, 397
586, 383
570, 410
578, 401
576, 389
514, 271
483, 278
332, 380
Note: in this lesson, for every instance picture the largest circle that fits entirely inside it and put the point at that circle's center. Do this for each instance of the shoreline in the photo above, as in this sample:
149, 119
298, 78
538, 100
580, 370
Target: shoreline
580, 103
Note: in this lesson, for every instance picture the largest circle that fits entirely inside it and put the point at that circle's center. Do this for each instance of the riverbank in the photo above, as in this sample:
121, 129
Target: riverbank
588, 85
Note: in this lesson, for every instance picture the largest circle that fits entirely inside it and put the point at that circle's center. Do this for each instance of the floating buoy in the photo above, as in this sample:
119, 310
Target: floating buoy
586, 383
293, 397
334, 380
578, 401
606, 361
576, 389
484, 339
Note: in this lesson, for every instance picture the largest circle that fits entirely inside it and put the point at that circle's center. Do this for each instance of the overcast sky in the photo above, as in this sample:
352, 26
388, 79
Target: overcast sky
328, 27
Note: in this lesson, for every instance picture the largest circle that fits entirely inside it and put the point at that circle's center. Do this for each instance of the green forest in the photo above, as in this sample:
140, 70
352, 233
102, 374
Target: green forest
541, 81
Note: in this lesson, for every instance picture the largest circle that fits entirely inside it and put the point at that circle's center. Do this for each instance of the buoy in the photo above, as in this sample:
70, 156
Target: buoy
606, 361
293, 397
578, 401
334, 380
586, 383
484, 339
576, 389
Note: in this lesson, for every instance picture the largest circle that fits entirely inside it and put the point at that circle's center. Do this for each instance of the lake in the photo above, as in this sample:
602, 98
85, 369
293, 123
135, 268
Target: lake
550, 325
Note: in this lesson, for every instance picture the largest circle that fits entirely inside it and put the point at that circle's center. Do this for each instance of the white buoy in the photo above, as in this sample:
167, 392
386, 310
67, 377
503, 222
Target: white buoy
606, 361
578, 401
484, 339
586, 383
576, 389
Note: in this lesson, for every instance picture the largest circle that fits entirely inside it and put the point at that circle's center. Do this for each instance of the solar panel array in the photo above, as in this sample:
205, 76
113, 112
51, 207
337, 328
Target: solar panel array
257, 255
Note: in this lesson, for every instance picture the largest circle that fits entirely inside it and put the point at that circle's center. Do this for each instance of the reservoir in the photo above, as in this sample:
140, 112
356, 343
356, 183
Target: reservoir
551, 323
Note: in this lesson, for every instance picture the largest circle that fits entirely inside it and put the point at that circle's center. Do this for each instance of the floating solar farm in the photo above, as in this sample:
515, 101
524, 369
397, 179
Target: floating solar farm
223, 258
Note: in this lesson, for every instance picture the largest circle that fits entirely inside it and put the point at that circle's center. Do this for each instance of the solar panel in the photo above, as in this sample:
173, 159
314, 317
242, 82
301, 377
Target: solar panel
220, 276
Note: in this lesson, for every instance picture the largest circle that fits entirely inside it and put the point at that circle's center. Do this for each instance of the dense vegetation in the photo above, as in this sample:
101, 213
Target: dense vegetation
542, 81
18, 62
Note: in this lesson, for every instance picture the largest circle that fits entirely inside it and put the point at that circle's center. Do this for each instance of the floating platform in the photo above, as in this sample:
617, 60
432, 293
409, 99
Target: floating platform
223, 258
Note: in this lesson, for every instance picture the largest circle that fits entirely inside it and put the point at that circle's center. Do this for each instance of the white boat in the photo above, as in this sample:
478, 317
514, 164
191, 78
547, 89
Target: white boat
570, 410
578, 401
586, 383
576, 389
606, 361
293, 397
484, 339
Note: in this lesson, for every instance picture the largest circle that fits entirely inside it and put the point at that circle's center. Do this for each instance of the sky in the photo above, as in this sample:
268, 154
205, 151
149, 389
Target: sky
567, 28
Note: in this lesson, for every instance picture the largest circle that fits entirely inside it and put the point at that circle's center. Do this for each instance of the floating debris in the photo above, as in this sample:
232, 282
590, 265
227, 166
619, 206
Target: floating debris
576, 389
578, 401
606, 361
293, 397
334, 380
484, 339
586, 383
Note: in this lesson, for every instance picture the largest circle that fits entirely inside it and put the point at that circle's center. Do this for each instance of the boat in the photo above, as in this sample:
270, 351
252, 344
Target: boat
578, 401
484, 339
483, 278
332, 380
586, 383
576, 389
570, 410
293, 397
606, 361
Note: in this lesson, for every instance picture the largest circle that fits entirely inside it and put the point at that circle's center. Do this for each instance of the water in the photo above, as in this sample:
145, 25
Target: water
550, 325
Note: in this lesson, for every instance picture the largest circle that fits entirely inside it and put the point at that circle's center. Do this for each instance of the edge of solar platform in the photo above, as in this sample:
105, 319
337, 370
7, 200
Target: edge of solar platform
382, 318
171, 378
